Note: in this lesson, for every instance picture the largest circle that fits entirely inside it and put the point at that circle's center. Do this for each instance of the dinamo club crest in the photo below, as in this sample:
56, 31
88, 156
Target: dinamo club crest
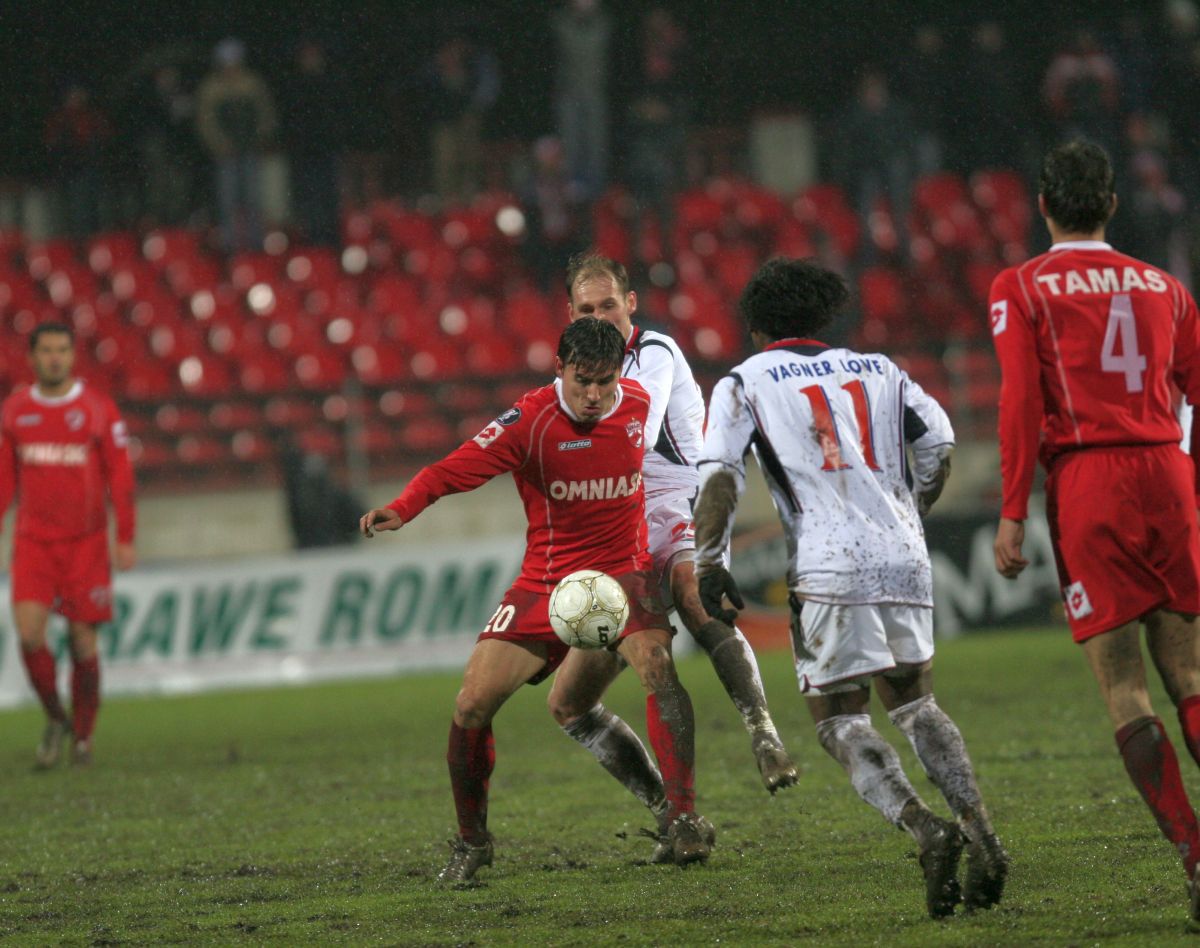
75, 419
634, 430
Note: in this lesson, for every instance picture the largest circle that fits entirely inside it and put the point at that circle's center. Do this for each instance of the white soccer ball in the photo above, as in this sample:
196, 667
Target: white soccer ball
588, 609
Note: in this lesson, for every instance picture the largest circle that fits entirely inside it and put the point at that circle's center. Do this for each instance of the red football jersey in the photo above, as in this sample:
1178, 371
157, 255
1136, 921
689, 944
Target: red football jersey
581, 484
1089, 342
65, 457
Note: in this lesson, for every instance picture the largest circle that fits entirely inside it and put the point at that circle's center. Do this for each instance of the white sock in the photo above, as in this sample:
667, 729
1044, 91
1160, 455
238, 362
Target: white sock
872, 763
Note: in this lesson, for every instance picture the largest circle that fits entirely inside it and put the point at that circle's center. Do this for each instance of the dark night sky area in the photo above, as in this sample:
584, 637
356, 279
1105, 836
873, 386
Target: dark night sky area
745, 54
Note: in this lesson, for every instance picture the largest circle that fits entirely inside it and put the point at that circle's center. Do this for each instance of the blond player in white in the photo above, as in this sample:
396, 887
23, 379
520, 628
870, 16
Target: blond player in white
599, 286
833, 431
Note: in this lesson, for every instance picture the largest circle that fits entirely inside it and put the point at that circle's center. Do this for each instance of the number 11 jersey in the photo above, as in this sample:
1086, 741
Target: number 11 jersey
831, 430
1090, 340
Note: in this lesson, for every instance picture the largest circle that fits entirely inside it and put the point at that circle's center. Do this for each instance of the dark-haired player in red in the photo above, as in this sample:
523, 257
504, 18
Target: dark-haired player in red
575, 450
63, 456
1089, 342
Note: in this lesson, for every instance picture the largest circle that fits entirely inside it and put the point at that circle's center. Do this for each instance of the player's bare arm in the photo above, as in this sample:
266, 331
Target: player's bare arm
381, 518
124, 556
714, 509
1010, 535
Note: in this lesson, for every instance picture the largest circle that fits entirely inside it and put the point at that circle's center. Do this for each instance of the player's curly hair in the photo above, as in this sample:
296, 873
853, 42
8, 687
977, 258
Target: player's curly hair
1077, 185
589, 264
788, 297
591, 343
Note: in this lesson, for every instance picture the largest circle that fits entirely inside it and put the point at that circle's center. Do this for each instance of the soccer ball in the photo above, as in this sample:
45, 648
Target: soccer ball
588, 609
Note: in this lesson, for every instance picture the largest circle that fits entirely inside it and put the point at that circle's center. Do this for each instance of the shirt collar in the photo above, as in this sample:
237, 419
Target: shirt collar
1082, 245
794, 341
70, 395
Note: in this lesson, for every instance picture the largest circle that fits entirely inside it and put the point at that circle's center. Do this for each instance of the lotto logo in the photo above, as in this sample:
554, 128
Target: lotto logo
488, 435
1077, 602
999, 317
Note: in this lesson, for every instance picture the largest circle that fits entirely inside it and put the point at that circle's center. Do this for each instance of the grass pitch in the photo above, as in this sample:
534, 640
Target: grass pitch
321, 814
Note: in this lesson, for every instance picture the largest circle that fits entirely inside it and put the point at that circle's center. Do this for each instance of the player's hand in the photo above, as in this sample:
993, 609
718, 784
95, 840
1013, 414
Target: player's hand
381, 518
124, 556
715, 585
1010, 534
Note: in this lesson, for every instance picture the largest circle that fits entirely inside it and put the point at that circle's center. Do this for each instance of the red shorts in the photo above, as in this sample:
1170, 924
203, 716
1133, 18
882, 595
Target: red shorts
524, 616
72, 577
1124, 528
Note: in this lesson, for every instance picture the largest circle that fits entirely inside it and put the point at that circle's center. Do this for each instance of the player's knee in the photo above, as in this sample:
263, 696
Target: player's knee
565, 708
470, 711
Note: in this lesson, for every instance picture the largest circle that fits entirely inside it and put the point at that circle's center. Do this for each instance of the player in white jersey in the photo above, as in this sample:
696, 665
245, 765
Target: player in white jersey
599, 286
854, 452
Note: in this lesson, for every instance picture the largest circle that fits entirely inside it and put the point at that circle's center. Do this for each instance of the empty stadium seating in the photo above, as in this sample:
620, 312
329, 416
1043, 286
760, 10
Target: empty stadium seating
423, 326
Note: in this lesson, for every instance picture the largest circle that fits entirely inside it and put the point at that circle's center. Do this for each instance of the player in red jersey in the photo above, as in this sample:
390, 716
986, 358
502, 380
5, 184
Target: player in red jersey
575, 451
1089, 342
63, 456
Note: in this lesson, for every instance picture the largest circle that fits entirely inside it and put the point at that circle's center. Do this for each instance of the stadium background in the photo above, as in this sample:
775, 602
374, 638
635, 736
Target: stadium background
275, 390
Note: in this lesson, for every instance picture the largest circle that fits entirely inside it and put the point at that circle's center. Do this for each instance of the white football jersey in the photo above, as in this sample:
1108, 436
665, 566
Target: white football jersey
832, 430
675, 426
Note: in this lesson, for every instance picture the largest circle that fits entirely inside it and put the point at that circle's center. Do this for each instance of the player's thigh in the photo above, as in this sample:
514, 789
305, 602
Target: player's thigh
33, 581
853, 698
1172, 530
31, 618
1115, 658
581, 681
1105, 571
495, 670
904, 684
1173, 639
838, 647
85, 585
685, 592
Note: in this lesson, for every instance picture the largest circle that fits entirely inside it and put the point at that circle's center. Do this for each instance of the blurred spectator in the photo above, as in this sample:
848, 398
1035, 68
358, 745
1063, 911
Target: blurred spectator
1082, 93
167, 147
460, 86
931, 82
321, 511
1155, 211
877, 158
582, 31
236, 118
659, 111
554, 229
1177, 90
1135, 61
992, 118
314, 108
77, 137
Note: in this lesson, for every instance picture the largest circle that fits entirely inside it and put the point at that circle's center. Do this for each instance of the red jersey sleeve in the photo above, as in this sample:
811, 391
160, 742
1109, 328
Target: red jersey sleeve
1186, 367
502, 446
1021, 402
8, 463
118, 472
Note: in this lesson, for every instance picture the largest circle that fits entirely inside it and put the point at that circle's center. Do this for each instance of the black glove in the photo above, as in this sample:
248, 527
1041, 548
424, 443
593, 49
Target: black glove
714, 587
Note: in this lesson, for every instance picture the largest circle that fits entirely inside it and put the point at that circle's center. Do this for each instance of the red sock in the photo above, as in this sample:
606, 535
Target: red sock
673, 738
85, 695
471, 756
1154, 769
1189, 720
39, 663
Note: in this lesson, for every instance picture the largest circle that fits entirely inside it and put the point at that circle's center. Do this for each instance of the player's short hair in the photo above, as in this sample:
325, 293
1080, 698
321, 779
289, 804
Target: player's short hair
1077, 185
50, 329
591, 343
589, 265
789, 297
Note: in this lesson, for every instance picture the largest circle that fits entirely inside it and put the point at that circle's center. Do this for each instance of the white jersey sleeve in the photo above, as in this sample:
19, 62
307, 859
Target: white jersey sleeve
928, 433
675, 428
726, 443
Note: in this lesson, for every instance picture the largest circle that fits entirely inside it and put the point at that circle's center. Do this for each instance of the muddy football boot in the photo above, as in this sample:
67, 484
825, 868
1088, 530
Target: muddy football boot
55, 738
939, 857
691, 837
774, 764
81, 753
465, 860
987, 870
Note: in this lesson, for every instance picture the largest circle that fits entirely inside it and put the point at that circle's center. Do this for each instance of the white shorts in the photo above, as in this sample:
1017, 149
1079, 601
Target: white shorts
671, 532
838, 648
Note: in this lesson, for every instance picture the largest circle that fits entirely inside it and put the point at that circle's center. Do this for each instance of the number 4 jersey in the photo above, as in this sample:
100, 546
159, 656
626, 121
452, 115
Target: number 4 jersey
831, 430
1091, 340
